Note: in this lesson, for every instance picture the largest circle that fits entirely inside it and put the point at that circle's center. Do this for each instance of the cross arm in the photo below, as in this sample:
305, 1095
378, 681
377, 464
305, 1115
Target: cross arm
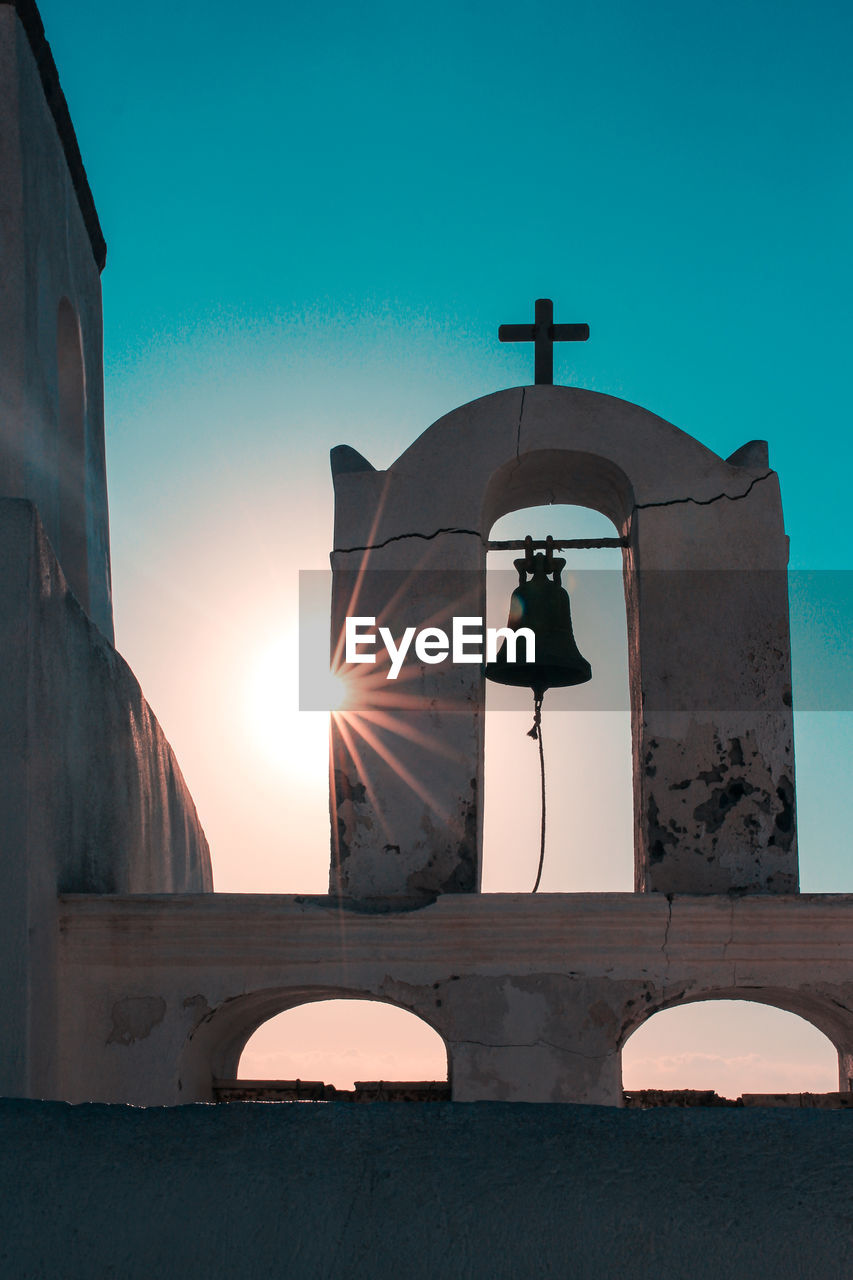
521, 332
543, 333
564, 332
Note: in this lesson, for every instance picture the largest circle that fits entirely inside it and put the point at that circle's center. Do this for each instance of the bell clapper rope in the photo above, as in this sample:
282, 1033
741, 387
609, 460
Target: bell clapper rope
542, 602
536, 732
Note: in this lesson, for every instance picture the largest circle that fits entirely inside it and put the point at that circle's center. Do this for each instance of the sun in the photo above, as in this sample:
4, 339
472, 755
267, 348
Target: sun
286, 738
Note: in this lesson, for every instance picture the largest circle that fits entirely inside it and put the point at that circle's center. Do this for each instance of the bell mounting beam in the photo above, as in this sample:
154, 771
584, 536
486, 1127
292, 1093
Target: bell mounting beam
559, 544
543, 333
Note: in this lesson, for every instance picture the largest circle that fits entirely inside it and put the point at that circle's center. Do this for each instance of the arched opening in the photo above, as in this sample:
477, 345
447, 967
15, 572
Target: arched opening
586, 730
72, 548
354, 1048
731, 1047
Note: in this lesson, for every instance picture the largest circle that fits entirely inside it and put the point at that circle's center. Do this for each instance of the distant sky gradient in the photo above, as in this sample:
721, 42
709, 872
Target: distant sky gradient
316, 218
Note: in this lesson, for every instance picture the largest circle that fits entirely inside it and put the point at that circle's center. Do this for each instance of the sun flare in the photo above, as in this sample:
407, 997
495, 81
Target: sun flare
290, 739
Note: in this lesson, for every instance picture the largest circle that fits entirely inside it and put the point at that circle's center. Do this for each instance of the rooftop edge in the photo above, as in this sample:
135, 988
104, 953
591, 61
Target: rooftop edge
30, 20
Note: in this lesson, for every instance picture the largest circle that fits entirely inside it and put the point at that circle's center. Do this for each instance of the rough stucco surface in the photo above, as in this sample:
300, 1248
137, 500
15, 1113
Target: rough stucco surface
533, 995
109, 808
47, 256
430, 1190
705, 573
90, 791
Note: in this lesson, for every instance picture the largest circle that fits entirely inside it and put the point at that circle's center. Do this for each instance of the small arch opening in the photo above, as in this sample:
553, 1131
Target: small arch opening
730, 1048
72, 548
586, 730
360, 1049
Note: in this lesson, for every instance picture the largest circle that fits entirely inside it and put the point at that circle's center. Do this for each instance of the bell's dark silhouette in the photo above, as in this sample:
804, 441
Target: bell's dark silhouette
542, 605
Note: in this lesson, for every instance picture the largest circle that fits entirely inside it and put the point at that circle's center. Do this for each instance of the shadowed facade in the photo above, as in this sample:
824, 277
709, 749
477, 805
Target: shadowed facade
131, 981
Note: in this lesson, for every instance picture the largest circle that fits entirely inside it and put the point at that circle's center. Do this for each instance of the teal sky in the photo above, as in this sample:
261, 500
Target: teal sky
316, 219
357, 195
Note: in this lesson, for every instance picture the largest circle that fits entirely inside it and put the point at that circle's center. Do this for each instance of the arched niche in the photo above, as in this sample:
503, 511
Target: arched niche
710, 1027
216, 1045
343, 1041
705, 572
72, 550
586, 729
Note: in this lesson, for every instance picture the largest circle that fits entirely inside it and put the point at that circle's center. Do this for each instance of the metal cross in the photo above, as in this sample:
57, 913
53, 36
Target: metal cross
543, 333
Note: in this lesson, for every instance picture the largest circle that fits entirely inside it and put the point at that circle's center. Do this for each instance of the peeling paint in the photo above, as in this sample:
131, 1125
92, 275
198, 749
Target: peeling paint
601, 1014
449, 870
135, 1017
199, 1005
464, 878
386, 906
348, 791
342, 848
783, 833
721, 801
728, 828
659, 837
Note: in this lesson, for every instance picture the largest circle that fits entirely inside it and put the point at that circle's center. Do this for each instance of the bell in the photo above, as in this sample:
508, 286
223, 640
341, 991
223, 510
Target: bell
542, 605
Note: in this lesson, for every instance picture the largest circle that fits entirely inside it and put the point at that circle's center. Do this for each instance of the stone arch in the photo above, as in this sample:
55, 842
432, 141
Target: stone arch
582, 748
213, 1049
72, 550
709, 654
542, 477
815, 1007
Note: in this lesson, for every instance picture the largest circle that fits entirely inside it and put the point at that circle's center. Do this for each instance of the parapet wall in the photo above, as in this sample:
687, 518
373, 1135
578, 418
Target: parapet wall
432, 1191
108, 808
534, 995
91, 795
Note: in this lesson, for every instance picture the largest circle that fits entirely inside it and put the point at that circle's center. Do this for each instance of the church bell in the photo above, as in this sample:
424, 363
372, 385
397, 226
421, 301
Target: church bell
541, 604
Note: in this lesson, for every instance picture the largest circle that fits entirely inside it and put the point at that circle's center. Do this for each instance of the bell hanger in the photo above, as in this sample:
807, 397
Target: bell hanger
540, 603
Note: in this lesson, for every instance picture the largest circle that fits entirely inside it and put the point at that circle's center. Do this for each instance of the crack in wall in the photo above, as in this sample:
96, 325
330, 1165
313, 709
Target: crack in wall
638, 506
401, 537
355, 1198
729, 939
534, 1044
665, 942
704, 502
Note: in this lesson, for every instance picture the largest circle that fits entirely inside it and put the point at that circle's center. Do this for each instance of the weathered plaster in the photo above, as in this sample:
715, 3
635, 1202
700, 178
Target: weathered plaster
709, 650
138, 984
533, 996
90, 792
135, 1017
47, 257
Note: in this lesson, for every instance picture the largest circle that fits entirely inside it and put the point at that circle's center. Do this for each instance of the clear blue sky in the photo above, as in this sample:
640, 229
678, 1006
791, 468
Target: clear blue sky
365, 191
318, 215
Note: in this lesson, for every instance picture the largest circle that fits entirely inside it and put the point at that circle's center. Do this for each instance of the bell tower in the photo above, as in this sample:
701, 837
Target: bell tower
51, 363
705, 576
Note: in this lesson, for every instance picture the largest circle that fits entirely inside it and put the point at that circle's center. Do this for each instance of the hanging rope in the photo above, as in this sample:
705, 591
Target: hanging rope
536, 732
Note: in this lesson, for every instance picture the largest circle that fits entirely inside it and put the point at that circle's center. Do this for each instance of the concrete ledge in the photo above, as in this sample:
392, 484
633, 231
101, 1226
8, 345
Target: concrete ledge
534, 997
508, 1192
568, 930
